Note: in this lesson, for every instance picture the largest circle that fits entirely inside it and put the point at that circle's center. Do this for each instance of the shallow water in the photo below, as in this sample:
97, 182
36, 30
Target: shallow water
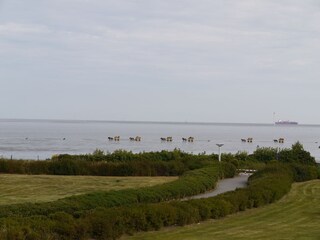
34, 139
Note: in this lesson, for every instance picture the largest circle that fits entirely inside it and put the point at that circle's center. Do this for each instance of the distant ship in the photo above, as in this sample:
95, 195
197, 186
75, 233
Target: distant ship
281, 122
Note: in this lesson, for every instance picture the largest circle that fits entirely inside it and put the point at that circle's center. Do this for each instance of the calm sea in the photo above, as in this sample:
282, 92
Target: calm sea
40, 139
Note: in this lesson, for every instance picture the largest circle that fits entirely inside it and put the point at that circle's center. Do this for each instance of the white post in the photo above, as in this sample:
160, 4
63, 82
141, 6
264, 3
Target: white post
219, 145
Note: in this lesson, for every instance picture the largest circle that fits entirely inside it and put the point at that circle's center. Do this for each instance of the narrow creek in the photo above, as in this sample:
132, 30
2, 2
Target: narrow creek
224, 185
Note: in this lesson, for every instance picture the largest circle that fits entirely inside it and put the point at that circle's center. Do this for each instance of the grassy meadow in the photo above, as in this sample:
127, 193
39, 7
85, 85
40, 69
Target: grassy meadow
296, 216
15, 188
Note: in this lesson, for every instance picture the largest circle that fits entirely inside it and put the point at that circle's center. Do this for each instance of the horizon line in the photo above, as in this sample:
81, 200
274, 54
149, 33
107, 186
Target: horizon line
142, 121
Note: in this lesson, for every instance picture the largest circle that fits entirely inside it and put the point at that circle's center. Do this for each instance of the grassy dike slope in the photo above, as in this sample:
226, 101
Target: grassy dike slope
296, 216
16, 188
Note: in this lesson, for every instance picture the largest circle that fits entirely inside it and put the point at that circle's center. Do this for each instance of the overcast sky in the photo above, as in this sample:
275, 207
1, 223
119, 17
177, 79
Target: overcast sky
168, 60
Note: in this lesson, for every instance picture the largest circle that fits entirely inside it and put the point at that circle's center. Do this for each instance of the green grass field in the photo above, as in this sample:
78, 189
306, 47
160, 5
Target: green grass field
296, 216
43, 188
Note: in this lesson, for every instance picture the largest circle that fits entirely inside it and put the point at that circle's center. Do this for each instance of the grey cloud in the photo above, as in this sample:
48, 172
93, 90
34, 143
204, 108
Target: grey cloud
211, 50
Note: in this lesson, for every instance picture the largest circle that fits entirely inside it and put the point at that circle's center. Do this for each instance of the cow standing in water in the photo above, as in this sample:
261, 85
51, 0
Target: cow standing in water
137, 139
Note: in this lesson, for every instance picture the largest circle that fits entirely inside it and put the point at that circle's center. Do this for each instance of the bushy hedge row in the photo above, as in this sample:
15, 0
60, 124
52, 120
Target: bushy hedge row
190, 183
267, 187
264, 187
82, 167
163, 163
125, 156
265, 155
119, 163
304, 173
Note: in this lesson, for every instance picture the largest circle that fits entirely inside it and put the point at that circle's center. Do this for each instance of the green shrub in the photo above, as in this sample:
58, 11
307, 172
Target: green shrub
190, 183
304, 172
264, 187
296, 154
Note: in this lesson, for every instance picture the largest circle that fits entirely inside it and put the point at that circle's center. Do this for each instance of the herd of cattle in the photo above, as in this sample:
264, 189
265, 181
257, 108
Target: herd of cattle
189, 139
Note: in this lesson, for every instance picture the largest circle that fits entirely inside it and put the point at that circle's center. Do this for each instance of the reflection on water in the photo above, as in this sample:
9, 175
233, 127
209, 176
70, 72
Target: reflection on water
33, 139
